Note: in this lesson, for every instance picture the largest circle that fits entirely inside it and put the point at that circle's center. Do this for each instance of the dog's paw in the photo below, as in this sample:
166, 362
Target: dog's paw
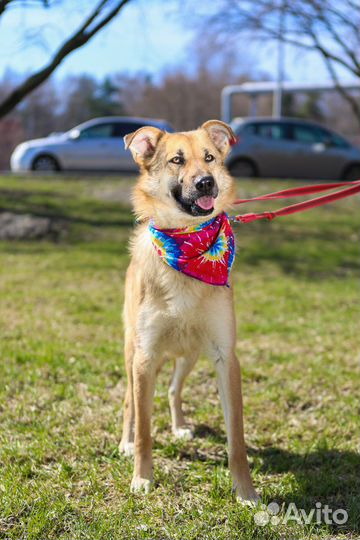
140, 485
247, 497
184, 433
126, 448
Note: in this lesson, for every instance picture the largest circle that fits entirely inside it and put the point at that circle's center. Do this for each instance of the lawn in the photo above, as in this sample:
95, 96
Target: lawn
62, 377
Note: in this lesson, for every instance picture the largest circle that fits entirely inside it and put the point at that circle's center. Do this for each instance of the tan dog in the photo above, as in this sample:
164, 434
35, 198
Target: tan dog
168, 313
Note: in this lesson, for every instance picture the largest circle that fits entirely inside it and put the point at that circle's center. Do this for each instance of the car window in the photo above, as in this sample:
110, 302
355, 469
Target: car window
100, 131
271, 130
308, 134
123, 128
249, 129
317, 134
334, 139
116, 129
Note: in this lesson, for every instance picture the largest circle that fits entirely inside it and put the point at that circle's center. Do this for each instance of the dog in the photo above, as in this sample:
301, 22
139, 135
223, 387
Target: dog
184, 186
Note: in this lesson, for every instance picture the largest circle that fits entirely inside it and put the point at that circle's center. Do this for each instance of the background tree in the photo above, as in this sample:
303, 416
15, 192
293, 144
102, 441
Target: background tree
83, 97
189, 97
38, 112
98, 18
55, 106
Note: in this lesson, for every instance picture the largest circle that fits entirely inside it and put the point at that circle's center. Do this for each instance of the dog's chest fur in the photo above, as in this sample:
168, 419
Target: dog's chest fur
175, 309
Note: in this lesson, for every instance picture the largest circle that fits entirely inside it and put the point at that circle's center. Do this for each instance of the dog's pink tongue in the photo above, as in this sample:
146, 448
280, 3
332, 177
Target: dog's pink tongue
205, 202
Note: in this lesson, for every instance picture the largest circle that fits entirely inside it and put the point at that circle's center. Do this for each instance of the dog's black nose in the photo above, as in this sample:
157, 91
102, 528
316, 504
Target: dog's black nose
205, 185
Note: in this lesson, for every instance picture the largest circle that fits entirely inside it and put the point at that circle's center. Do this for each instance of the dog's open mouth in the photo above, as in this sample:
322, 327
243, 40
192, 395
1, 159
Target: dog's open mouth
201, 206
205, 203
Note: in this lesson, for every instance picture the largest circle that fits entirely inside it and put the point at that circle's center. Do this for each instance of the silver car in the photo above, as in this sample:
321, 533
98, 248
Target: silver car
93, 145
291, 148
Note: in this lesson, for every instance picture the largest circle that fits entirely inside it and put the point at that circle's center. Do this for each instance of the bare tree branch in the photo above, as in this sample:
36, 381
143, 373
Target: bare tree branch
93, 16
334, 22
329, 27
75, 41
329, 65
3, 5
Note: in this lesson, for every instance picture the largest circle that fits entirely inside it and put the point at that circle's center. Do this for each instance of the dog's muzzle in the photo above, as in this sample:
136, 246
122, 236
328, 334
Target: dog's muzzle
201, 200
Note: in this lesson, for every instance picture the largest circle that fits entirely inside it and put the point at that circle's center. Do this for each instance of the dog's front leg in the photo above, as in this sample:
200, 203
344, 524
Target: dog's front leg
229, 382
144, 371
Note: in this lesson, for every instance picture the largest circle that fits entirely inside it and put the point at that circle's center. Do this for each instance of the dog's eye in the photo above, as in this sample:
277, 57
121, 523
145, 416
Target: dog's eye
178, 160
209, 157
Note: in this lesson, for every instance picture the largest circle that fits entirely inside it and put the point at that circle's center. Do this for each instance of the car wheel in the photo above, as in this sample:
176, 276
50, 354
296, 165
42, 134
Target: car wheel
45, 163
243, 168
352, 173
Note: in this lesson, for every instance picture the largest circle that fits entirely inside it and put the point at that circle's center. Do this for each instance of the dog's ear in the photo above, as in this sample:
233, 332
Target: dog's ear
221, 135
142, 142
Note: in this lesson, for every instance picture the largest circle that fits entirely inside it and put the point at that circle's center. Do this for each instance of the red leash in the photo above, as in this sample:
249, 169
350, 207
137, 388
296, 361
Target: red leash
299, 207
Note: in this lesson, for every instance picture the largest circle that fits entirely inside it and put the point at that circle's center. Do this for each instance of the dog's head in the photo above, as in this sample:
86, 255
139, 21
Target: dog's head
183, 178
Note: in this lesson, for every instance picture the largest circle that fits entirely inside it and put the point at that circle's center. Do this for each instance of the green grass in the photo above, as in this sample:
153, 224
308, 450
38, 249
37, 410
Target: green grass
62, 377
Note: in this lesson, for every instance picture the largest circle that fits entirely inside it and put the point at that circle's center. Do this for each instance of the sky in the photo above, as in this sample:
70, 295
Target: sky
148, 35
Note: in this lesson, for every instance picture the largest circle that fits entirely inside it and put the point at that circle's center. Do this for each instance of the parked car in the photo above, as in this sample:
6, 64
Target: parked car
93, 145
291, 148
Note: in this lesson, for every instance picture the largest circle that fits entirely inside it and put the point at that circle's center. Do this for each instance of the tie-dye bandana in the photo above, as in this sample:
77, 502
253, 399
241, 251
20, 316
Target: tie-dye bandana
205, 252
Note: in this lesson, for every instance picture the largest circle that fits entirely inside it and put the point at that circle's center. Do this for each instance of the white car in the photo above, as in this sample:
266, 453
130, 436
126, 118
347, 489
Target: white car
94, 145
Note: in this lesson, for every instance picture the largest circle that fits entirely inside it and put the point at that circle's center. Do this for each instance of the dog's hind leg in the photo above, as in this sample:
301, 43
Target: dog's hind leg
127, 441
182, 368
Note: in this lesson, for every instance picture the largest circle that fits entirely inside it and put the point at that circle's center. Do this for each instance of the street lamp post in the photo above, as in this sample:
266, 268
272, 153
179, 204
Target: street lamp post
277, 98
